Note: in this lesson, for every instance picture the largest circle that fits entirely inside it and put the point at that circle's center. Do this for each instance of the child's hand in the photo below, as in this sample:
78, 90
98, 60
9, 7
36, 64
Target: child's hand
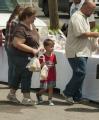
41, 49
42, 64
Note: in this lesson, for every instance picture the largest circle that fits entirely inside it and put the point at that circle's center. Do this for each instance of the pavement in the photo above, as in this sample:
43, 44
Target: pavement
61, 110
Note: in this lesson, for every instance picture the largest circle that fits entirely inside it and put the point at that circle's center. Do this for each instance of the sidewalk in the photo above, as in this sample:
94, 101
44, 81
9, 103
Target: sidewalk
61, 111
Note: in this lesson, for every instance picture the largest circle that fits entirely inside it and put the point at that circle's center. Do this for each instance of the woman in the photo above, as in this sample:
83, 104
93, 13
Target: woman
11, 24
24, 46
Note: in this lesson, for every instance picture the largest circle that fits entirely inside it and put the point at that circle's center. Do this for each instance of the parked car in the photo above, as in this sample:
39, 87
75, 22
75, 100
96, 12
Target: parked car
63, 5
6, 8
97, 7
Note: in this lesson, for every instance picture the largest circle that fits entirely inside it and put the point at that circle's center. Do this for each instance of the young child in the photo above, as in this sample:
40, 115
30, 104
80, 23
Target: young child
49, 59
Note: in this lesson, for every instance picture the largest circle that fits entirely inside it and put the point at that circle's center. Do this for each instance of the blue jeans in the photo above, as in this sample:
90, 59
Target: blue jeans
74, 87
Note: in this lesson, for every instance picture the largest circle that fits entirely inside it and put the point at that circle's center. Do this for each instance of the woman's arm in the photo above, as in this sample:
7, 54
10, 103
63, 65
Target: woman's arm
19, 44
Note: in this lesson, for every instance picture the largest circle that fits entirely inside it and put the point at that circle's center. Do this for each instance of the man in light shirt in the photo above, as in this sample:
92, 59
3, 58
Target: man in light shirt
76, 5
78, 49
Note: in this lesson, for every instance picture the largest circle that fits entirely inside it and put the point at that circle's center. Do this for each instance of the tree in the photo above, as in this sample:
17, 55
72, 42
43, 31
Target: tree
53, 14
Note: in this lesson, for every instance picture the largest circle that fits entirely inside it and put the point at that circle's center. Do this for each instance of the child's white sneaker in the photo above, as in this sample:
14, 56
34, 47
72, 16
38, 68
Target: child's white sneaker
51, 103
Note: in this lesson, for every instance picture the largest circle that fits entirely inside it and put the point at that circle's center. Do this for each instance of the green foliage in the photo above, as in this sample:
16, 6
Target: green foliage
54, 31
96, 28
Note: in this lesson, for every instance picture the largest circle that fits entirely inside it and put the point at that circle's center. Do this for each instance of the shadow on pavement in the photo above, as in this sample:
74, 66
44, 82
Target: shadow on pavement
92, 107
81, 110
9, 107
57, 103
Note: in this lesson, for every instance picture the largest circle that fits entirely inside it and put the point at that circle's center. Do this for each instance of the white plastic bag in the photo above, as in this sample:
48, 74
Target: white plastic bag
44, 73
94, 44
34, 65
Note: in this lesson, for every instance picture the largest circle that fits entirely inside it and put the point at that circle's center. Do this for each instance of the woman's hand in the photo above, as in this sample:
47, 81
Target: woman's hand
41, 49
36, 51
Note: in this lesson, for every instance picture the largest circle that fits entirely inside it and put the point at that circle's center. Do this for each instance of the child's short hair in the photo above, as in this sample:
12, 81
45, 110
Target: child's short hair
48, 42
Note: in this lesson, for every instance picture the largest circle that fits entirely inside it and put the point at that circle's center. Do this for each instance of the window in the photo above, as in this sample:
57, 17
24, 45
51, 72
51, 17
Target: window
7, 5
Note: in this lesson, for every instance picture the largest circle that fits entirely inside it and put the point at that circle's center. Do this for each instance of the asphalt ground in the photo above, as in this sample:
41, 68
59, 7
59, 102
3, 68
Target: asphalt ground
61, 110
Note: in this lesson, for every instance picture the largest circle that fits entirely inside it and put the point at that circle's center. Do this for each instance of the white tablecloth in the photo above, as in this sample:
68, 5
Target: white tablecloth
91, 84
3, 65
64, 73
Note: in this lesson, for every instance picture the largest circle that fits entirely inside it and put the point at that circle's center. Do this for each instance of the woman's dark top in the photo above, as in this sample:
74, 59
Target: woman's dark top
31, 39
19, 57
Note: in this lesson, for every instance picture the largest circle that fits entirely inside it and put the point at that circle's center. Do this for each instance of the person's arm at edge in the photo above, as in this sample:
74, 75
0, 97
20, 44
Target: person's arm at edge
90, 34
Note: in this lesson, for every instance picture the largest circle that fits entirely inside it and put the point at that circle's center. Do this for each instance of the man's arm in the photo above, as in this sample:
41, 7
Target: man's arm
90, 34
